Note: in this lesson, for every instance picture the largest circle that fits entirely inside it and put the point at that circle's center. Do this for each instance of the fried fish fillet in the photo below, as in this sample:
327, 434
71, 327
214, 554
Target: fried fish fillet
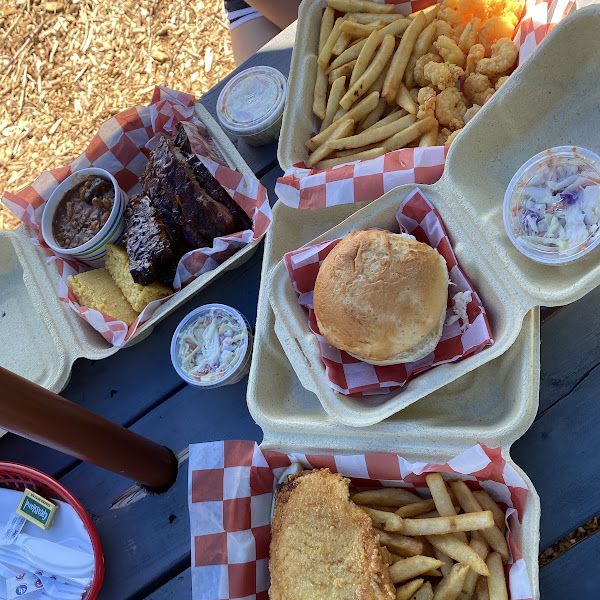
323, 547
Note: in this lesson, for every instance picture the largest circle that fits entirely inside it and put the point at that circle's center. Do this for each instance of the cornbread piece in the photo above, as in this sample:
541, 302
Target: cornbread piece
97, 289
149, 248
137, 295
323, 546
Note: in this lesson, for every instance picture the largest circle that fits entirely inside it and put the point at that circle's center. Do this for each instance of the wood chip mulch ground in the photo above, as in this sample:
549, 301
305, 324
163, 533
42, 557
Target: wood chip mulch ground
67, 66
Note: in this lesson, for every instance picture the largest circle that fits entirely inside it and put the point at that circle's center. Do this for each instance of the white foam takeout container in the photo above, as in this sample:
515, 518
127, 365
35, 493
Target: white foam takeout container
40, 336
469, 198
496, 403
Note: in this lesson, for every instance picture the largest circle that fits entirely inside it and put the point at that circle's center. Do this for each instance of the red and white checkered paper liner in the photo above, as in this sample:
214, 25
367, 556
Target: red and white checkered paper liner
300, 187
351, 376
230, 493
122, 147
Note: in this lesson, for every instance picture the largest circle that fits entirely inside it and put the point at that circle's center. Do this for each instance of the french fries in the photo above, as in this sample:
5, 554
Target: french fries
337, 91
440, 495
472, 577
347, 56
401, 57
459, 551
410, 134
395, 56
416, 508
375, 135
364, 58
451, 585
418, 549
343, 128
357, 112
486, 502
360, 6
408, 590
405, 100
496, 582
493, 536
414, 566
425, 592
400, 544
389, 521
369, 76
320, 95
386, 497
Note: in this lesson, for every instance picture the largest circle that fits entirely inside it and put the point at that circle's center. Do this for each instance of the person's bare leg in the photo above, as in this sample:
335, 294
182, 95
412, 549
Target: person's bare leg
249, 37
280, 12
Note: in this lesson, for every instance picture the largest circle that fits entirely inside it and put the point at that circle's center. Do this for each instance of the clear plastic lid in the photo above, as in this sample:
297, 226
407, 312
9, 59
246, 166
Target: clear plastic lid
552, 205
212, 346
252, 100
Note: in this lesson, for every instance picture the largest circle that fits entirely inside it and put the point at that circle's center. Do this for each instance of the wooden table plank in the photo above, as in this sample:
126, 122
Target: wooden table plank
561, 455
569, 349
150, 539
278, 54
574, 574
179, 587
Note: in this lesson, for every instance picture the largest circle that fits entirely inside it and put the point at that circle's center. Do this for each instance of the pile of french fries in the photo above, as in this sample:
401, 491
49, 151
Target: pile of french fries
435, 551
365, 91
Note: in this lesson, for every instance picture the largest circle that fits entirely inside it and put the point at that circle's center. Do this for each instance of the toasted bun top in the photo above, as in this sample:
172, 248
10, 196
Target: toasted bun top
379, 295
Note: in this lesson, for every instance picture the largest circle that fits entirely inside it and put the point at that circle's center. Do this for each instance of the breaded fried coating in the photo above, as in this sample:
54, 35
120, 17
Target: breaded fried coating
323, 547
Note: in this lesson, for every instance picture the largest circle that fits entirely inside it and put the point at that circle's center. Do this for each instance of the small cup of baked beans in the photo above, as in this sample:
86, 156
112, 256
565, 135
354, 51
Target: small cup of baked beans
84, 214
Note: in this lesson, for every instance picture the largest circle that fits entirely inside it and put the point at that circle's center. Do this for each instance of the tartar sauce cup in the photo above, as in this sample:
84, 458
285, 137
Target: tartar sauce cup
212, 346
251, 105
94, 250
552, 205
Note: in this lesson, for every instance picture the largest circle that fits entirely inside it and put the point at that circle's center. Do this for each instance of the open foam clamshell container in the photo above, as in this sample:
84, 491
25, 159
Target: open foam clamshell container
40, 336
550, 101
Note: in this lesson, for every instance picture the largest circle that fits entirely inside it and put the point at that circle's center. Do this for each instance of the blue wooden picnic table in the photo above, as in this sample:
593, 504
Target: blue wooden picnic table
147, 544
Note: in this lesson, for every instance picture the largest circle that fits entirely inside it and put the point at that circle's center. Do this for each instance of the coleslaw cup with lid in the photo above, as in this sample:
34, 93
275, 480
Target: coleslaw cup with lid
552, 205
212, 346
251, 105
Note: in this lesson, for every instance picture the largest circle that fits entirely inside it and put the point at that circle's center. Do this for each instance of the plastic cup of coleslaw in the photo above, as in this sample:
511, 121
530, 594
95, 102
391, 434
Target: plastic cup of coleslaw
212, 346
251, 104
552, 205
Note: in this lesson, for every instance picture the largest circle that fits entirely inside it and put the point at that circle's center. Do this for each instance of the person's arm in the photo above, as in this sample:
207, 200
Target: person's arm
280, 12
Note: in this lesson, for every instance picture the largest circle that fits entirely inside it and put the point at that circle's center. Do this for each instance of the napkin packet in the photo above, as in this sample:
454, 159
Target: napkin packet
231, 487
301, 187
460, 339
54, 562
122, 147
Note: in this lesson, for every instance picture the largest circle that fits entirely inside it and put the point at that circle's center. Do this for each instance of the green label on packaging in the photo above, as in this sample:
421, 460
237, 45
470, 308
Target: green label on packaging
36, 509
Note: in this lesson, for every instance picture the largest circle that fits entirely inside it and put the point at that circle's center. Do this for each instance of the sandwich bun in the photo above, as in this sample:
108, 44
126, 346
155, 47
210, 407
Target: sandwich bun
382, 297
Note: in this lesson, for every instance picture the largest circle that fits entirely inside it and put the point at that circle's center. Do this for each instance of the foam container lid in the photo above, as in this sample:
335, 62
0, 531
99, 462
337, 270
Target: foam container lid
469, 197
40, 336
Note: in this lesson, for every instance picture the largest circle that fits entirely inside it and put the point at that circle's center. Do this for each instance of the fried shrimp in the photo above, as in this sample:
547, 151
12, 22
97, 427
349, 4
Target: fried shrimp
477, 88
476, 53
449, 12
504, 54
501, 81
426, 99
450, 51
442, 75
493, 30
468, 37
452, 137
471, 112
450, 108
477, 8
420, 67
